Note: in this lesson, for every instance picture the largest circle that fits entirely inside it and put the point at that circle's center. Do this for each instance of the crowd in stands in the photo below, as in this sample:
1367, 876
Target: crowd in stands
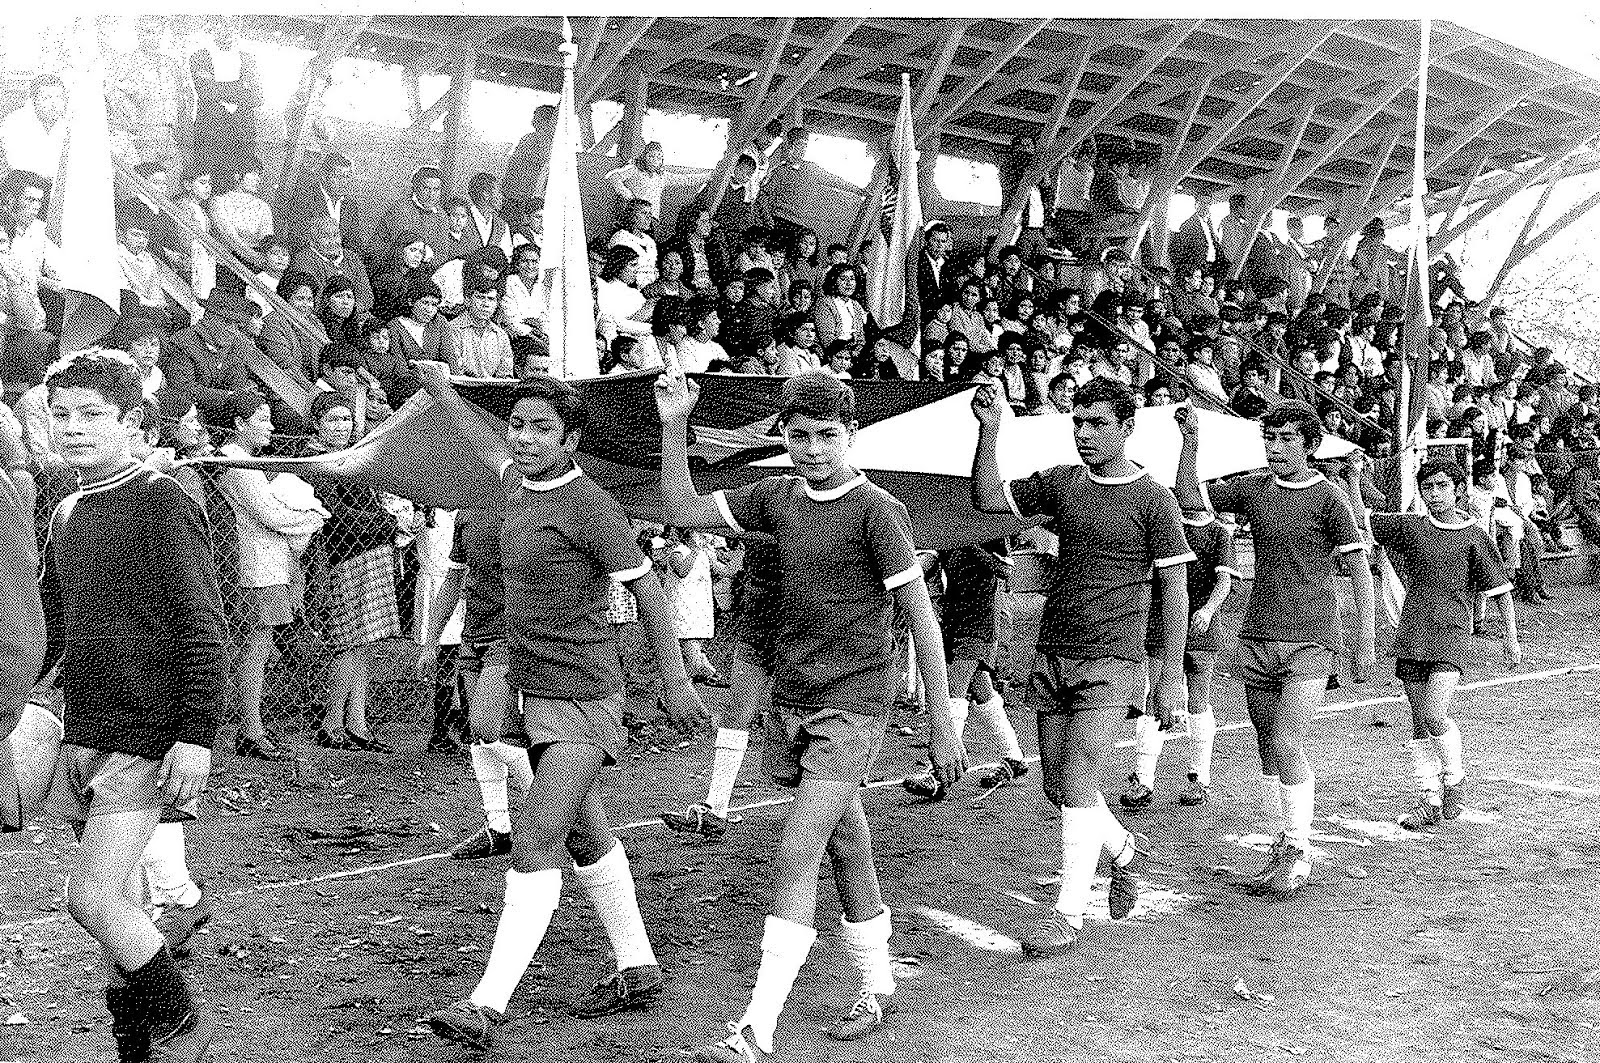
740, 283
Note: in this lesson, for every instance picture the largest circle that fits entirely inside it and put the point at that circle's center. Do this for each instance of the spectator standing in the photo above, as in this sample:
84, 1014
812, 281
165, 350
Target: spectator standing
326, 256
417, 212
362, 606
700, 348
272, 536
645, 178
327, 199
793, 186
530, 159
158, 91
227, 93
31, 136
485, 226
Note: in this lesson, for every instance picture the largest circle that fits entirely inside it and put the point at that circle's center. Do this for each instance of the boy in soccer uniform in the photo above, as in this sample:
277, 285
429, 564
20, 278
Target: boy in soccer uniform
969, 616
750, 689
1299, 521
144, 676
845, 560
562, 541
475, 571
1115, 526
1449, 563
1210, 578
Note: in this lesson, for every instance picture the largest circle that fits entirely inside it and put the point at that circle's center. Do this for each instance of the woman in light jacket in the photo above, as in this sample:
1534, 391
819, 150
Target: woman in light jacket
275, 525
838, 315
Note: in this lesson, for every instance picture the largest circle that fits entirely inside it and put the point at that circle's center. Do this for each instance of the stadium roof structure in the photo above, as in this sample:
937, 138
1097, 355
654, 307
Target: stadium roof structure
1321, 112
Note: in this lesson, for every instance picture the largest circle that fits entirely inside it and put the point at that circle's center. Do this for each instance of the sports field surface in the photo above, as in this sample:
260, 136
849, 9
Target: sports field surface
339, 924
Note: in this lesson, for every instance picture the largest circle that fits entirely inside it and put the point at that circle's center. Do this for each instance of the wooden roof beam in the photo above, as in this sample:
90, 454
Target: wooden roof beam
1540, 170
980, 78
594, 79
933, 77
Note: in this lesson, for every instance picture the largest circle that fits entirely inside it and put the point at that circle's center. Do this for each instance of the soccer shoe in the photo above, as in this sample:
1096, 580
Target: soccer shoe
1137, 795
1424, 814
1050, 936
178, 925
487, 842
865, 1015
465, 1023
1123, 893
1275, 857
185, 1043
1294, 871
734, 1049
696, 819
926, 786
1004, 772
1195, 793
1452, 798
630, 990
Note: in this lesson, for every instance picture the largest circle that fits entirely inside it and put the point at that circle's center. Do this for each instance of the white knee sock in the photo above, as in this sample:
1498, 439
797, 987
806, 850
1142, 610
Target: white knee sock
784, 947
1450, 753
1202, 739
531, 899
725, 764
1115, 838
166, 871
1082, 838
1272, 804
609, 883
1299, 804
868, 946
1147, 743
518, 767
993, 714
1425, 766
491, 772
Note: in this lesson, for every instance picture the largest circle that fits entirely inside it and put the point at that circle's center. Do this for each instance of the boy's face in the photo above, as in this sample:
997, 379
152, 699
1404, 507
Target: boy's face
817, 448
1286, 449
483, 305
145, 352
1101, 436
1254, 379
89, 432
538, 439
277, 259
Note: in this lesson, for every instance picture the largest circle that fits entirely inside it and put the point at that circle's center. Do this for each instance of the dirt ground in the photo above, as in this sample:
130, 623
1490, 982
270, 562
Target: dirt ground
335, 930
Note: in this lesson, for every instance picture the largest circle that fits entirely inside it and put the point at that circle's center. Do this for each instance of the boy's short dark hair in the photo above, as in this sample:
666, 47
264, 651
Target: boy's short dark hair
1060, 378
325, 401
131, 329
114, 376
757, 275
1301, 416
562, 397
239, 406
1115, 393
819, 396
481, 285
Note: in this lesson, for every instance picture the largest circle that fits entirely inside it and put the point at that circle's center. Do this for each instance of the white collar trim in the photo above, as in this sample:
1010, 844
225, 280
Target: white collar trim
1437, 523
1115, 480
550, 485
114, 481
1296, 485
1198, 522
833, 493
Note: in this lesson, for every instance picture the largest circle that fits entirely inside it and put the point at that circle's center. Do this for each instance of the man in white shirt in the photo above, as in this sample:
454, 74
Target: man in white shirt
31, 136
486, 227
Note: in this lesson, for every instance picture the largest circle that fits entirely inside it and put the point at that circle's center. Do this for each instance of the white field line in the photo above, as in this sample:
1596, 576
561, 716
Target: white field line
1334, 709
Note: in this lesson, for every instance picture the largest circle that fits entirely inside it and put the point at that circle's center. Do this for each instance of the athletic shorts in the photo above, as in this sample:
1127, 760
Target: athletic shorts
92, 782
831, 744
1059, 685
1269, 665
968, 648
1408, 671
533, 722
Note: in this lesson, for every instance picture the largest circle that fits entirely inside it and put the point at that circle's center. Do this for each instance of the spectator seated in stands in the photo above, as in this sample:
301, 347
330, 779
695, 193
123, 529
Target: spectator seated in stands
326, 256
401, 266
669, 275
699, 348
337, 312
757, 313
635, 235
618, 302
458, 274
341, 369
210, 360
167, 244
419, 334
142, 290
482, 348
285, 343
240, 216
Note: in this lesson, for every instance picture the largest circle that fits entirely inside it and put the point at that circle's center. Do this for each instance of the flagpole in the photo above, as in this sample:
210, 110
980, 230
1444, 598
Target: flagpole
1412, 440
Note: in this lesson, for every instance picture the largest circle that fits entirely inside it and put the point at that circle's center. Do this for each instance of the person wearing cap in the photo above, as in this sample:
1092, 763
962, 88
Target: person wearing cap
416, 212
210, 360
